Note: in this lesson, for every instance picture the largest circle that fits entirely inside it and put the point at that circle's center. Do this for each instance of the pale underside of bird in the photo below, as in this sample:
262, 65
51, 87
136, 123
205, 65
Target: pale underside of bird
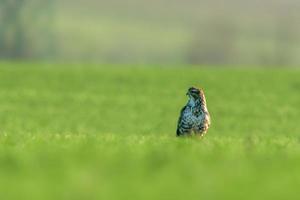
194, 116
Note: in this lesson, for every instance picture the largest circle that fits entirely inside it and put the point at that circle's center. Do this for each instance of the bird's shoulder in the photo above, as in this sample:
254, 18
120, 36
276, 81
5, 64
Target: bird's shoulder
182, 112
185, 110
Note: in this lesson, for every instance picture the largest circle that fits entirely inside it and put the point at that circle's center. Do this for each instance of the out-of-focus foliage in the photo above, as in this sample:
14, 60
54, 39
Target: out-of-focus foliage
265, 32
25, 29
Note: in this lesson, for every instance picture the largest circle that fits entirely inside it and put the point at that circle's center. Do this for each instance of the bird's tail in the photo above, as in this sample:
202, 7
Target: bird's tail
178, 132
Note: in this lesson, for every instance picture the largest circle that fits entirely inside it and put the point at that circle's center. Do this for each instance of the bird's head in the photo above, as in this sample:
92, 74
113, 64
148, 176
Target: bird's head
195, 93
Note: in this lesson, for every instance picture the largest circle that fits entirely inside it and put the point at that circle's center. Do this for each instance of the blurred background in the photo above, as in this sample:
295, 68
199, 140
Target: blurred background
203, 32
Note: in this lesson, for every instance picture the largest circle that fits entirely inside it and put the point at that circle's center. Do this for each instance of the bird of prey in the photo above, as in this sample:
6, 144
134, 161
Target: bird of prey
194, 116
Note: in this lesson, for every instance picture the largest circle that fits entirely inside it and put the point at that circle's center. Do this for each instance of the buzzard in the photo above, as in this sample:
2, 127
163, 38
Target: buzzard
194, 116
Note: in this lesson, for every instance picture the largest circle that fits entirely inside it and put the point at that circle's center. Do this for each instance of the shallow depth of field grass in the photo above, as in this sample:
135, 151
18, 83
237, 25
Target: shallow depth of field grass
94, 132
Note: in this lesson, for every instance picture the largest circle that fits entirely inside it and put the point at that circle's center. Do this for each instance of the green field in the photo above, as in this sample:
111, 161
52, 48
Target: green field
93, 132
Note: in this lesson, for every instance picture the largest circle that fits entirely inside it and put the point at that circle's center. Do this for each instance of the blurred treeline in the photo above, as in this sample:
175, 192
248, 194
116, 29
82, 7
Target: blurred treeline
24, 29
238, 32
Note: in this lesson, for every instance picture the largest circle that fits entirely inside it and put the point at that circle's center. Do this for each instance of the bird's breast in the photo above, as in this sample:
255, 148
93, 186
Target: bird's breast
192, 118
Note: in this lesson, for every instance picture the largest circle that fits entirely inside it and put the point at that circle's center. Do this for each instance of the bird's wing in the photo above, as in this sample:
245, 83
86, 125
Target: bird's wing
208, 119
180, 120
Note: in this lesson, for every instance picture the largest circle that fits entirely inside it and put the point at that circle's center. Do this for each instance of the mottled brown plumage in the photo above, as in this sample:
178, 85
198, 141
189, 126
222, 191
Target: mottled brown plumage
194, 116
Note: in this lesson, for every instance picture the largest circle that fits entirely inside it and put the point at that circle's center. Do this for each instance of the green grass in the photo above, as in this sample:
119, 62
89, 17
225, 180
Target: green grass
90, 132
